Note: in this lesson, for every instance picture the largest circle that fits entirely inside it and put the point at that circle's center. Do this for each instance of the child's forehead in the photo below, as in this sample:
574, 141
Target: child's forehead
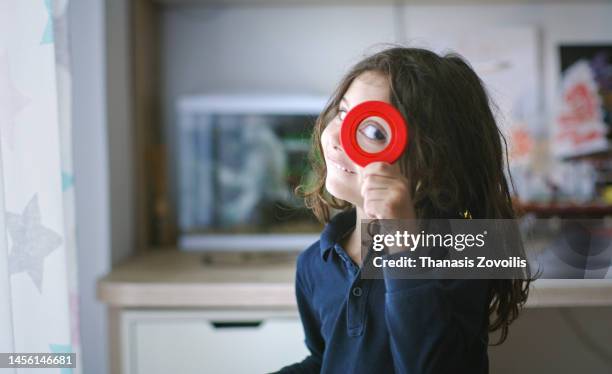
368, 86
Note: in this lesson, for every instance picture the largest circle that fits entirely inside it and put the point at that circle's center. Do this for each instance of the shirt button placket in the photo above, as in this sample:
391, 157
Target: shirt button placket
356, 308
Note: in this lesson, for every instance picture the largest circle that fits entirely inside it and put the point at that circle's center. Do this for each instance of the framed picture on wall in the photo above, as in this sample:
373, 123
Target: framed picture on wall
583, 116
511, 74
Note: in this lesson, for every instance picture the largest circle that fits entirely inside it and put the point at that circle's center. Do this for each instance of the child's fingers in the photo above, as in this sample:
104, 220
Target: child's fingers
382, 169
376, 182
382, 201
381, 174
377, 208
386, 195
372, 184
385, 191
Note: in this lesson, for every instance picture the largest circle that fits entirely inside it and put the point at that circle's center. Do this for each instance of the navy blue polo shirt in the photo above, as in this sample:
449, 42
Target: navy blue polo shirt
356, 325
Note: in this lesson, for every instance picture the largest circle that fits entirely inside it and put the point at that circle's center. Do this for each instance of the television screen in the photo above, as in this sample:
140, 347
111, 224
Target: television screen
238, 170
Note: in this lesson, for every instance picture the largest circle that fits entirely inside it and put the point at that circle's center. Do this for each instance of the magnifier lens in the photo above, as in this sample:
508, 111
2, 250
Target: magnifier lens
373, 134
366, 133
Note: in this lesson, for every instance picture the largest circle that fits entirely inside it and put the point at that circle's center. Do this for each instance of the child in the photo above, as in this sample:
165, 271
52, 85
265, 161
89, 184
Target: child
453, 167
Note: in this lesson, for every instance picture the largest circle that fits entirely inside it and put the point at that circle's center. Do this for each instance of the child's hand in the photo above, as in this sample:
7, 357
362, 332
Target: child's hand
386, 192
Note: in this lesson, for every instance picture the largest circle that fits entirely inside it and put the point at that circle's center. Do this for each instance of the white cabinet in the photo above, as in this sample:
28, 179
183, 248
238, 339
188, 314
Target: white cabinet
209, 341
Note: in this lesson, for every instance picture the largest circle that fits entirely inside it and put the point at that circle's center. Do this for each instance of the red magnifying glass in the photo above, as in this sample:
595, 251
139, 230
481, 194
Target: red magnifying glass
374, 131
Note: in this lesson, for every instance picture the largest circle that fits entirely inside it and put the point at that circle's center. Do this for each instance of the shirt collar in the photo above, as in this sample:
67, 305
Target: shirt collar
336, 229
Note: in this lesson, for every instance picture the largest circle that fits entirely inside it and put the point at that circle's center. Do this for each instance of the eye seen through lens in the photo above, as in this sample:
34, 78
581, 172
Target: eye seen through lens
373, 134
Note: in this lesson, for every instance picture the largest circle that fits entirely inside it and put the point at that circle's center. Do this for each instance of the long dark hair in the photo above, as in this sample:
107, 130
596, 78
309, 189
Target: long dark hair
456, 155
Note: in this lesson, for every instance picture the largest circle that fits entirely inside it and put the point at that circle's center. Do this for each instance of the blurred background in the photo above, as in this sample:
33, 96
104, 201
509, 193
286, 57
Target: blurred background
177, 131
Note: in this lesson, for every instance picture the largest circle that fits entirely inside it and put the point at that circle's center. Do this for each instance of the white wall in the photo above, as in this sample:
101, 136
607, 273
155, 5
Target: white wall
294, 48
557, 24
90, 152
120, 130
103, 164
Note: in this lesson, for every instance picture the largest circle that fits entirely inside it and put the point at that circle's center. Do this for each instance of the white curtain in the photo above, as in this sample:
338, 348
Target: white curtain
38, 288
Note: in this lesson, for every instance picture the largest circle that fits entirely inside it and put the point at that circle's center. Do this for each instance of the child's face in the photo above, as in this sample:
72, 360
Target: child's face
343, 179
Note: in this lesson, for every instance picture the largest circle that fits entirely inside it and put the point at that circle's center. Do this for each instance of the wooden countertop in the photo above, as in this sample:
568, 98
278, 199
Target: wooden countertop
174, 279
171, 278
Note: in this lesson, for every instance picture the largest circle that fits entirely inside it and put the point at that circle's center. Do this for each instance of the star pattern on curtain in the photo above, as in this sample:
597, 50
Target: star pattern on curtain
31, 242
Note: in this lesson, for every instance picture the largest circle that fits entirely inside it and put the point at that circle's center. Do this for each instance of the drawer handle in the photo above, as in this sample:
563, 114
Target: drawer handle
236, 324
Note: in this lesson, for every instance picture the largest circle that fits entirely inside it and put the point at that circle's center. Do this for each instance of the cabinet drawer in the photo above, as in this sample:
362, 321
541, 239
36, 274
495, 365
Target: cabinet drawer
210, 341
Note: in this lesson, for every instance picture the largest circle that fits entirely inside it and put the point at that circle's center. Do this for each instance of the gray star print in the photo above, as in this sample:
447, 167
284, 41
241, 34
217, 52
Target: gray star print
31, 242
